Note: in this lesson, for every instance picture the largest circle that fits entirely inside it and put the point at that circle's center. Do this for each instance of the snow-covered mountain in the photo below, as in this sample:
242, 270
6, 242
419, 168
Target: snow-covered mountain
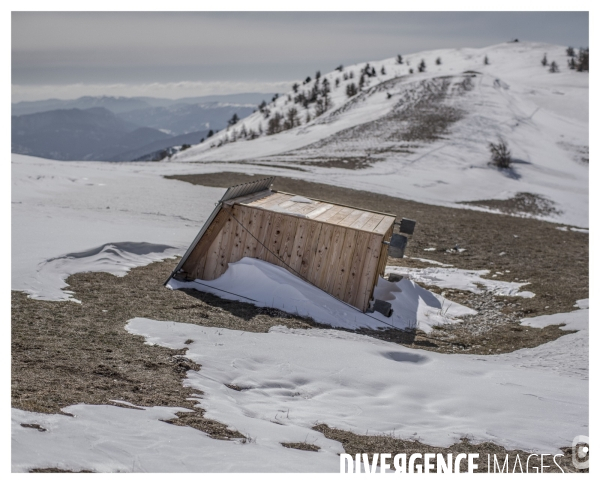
425, 135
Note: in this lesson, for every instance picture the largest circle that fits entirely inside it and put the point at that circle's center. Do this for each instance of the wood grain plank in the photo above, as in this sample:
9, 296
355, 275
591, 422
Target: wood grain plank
242, 214
334, 259
372, 222
215, 251
325, 216
287, 204
310, 248
196, 260
274, 241
274, 202
318, 210
254, 225
383, 256
302, 209
345, 266
384, 225
297, 207
287, 243
229, 234
299, 243
341, 215
356, 268
257, 197
362, 220
272, 197
369, 274
319, 262
350, 218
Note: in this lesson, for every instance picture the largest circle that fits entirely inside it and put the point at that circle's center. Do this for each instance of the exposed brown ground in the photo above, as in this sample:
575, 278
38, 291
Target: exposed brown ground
65, 353
301, 446
521, 203
554, 262
55, 470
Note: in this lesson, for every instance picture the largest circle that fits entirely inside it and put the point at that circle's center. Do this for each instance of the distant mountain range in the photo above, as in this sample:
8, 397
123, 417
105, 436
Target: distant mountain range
124, 104
178, 119
121, 128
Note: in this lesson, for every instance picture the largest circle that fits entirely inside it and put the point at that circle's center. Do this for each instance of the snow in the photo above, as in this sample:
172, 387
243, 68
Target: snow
430, 261
268, 285
574, 229
300, 199
83, 216
294, 379
465, 280
543, 117
72, 217
105, 438
357, 383
574, 321
568, 355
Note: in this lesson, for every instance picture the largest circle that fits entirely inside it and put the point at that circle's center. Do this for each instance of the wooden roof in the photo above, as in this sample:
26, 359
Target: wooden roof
319, 210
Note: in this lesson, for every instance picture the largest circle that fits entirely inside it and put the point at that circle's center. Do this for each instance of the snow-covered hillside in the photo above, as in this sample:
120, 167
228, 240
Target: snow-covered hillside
425, 135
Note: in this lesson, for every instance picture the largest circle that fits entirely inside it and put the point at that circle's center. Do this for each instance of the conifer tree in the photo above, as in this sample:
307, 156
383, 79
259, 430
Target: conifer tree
351, 89
583, 60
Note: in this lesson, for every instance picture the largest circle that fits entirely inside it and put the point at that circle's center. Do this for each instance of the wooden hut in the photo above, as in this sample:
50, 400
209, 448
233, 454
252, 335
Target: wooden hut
340, 249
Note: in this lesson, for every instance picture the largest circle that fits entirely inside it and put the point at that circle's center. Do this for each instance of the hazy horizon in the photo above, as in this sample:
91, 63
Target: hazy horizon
67, 55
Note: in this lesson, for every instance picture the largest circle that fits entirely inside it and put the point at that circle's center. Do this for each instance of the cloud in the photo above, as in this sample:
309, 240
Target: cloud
170, 90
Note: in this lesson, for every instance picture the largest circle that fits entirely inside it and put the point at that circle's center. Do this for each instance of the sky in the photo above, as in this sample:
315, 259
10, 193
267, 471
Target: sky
178, 54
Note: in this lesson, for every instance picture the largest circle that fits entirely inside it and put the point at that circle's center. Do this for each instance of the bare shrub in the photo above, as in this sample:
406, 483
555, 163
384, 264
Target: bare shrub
501, 156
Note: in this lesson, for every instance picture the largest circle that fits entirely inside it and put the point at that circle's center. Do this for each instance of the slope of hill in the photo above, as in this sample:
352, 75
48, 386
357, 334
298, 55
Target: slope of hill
129, 142
57, 129
183, 118
67, 134
425, 135
148, 152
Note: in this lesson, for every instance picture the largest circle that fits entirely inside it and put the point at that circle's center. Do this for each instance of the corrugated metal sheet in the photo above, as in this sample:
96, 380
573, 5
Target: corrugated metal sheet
247, 188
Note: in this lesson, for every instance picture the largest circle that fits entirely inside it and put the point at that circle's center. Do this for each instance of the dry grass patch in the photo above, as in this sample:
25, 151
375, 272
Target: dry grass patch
301, 446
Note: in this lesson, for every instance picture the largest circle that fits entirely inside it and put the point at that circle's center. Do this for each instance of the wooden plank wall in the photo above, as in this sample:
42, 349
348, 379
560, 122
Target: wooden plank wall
343, 261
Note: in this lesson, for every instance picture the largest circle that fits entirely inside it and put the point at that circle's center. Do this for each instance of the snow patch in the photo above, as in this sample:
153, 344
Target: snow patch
466, 280
301, 377
116, 258
268, 285
106, 438
61, 210
573, 321
429, 261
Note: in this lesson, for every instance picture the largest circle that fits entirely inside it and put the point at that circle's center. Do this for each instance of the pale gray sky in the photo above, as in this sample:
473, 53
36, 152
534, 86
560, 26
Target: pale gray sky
58, 54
